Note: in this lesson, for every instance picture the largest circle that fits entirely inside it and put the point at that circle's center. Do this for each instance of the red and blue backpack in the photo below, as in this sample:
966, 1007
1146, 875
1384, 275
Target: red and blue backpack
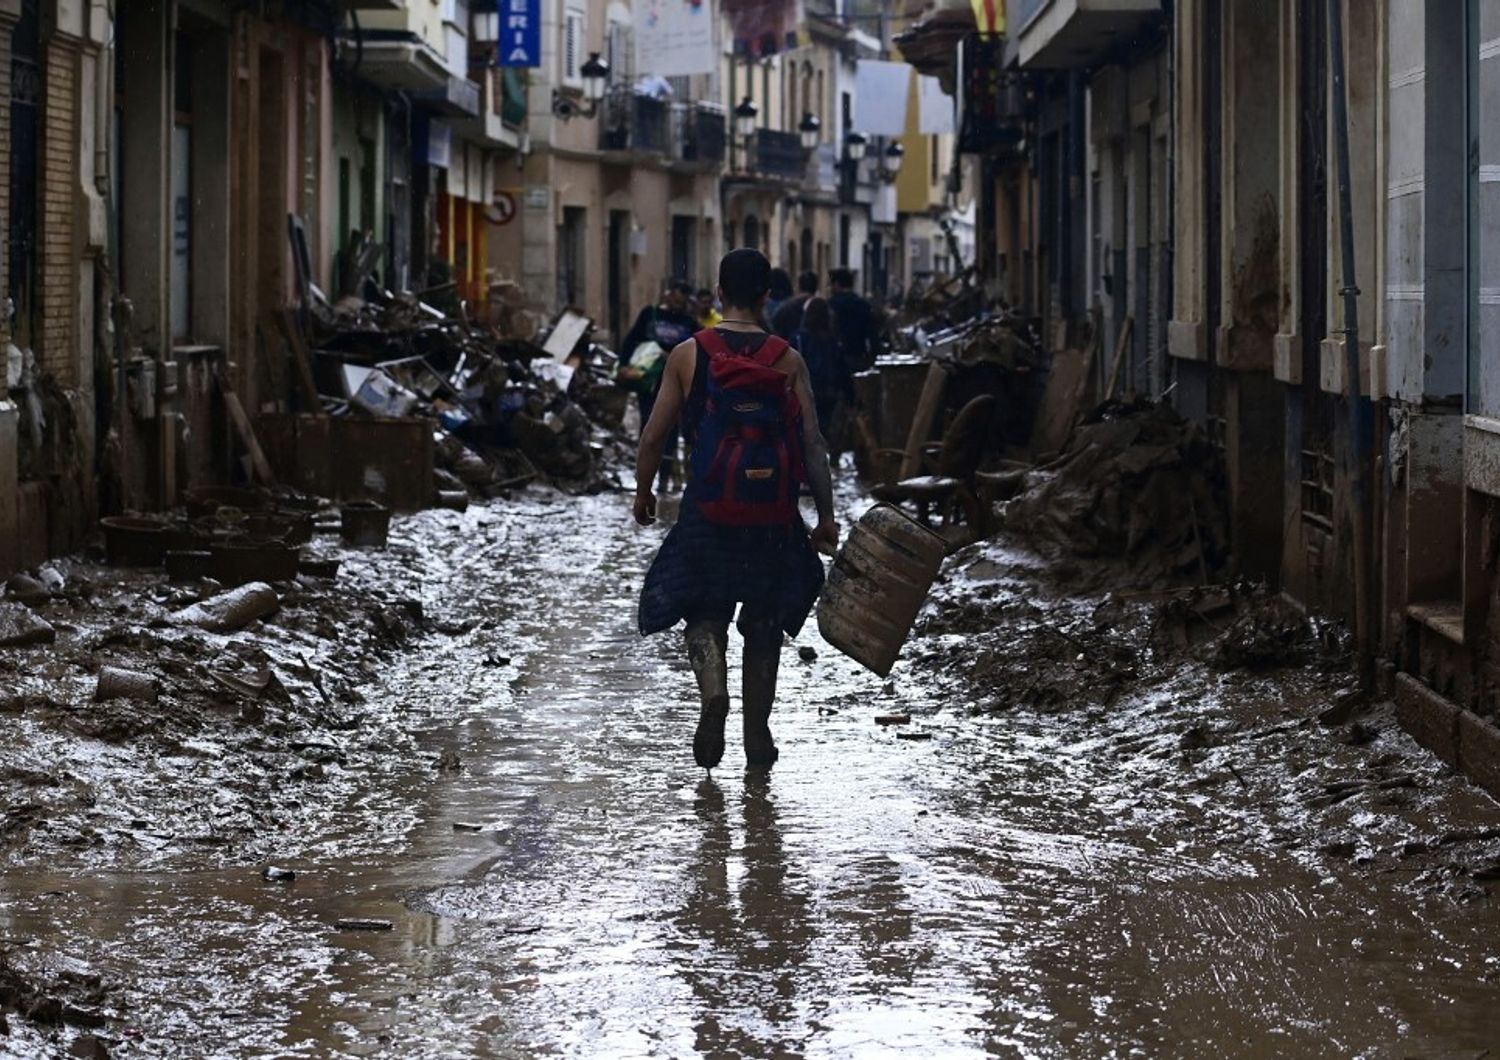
747, 465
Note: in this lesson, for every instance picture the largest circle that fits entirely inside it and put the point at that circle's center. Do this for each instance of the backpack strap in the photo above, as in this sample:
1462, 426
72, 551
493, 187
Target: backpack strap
770, 351
711, 342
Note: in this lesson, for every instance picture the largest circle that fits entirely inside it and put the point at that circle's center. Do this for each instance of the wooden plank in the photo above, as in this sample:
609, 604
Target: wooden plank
921, 424
1063, 401
302, 360
258, 462
1121, 344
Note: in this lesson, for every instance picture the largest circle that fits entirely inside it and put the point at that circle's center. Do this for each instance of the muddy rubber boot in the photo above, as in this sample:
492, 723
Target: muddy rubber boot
762, 658
707, 643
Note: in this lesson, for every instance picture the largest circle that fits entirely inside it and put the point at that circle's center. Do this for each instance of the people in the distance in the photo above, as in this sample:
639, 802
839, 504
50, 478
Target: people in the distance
708, 314
788, 317
657, 330
832, 382
855, 319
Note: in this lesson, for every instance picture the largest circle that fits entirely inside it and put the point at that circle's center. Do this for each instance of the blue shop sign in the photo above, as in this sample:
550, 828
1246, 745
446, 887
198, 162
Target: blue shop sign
520, 41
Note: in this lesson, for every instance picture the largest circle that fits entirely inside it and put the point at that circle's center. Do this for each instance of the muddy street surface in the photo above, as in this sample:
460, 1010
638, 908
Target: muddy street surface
1105, 841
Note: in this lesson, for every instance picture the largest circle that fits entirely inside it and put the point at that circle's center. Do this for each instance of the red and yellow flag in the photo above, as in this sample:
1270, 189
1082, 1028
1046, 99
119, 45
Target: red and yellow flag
989, 16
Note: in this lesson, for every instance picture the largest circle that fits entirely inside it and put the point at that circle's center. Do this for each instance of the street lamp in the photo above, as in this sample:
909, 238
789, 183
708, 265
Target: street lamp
894, 153
854, 145
486, 26
744, 117
595, 73
811, 129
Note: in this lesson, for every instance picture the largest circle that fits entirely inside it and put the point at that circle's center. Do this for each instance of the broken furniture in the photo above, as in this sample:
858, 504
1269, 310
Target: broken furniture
950, 487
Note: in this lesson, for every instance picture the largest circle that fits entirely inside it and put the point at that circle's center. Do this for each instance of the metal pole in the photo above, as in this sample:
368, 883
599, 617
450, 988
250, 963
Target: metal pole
1358, 452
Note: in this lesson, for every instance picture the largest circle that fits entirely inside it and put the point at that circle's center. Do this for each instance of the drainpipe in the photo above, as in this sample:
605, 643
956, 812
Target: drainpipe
104, 106
105, 266
1358, 454
1170, 251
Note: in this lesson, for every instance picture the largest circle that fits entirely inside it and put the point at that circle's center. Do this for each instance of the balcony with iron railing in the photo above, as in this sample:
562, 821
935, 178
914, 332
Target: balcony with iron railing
700, 135
776, 154
634, 122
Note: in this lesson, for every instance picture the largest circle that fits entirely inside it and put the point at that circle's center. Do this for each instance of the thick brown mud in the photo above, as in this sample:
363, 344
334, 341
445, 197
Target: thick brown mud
1114, 842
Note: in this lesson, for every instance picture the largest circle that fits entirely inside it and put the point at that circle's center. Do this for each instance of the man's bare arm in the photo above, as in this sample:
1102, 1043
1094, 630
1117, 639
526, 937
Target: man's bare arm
819, 474
669, 401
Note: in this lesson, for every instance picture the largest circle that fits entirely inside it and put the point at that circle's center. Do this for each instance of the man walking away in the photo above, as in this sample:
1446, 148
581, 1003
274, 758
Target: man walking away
667, 324
856, 321
788, 317
746, 405
781, 290
818, 342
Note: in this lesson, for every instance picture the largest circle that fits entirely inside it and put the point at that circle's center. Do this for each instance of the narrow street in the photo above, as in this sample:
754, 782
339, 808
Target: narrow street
1017, 885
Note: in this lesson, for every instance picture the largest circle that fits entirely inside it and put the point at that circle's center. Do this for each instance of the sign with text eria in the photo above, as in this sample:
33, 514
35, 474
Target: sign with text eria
520, 42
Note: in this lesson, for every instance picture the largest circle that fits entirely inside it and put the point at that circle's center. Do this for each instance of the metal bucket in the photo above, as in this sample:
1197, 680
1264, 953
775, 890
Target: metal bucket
878, 583
132, 542
242, 561
365, 524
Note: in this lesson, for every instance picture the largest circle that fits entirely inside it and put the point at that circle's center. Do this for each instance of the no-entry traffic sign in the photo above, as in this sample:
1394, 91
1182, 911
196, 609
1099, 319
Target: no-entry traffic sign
503, 210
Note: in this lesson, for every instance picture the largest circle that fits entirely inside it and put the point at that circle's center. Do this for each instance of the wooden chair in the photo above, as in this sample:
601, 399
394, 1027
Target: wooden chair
951, 487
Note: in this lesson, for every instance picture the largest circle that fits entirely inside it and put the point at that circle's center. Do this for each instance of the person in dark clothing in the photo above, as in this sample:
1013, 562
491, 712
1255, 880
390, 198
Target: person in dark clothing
781, 290
818, 342
787, 319
706, 568
856, 321
667, 324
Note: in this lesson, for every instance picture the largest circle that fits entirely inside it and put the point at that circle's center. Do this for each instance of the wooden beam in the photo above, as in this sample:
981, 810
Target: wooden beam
921, 423
1120, 346
302, 360
258, 462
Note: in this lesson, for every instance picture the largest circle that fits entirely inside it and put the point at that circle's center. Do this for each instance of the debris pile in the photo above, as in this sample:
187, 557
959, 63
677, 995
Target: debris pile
1136, 483
1007, 640
259, 686
508, 403
51, 993
935, 369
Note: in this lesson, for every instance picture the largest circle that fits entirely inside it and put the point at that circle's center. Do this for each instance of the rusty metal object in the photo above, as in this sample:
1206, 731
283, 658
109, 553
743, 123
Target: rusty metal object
237, 562
116, 682
365, 524
189, 564
133, 542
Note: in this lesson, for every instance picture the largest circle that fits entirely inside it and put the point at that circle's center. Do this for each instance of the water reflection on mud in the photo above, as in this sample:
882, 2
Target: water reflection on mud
1023, 884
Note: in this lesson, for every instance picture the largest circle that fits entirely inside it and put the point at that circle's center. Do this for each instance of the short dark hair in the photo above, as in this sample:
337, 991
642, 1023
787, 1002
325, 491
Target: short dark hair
781, 283
682, 287
841, 277
807, 283
703, 292
817, 317
744, 277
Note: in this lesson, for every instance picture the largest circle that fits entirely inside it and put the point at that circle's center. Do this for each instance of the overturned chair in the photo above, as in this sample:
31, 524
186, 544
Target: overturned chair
954, 489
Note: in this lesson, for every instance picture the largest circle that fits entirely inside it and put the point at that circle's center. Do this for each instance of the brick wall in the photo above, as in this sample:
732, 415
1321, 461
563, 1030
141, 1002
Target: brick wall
59, 190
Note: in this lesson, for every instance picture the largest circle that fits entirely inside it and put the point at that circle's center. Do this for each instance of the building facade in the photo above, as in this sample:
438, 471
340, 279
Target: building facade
176, 175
